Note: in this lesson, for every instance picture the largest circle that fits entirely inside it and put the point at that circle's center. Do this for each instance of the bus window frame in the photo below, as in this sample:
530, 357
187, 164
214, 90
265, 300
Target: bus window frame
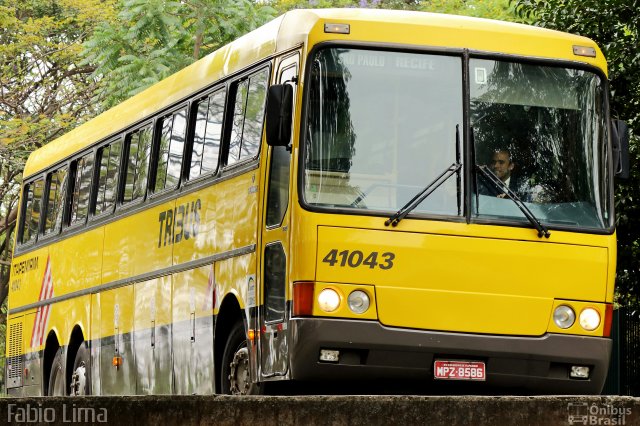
43, 235
93, 216
120, 205
191, 127
223, 162
462, 54
23, 207
548, 62
67, 225
468, 174
151, 194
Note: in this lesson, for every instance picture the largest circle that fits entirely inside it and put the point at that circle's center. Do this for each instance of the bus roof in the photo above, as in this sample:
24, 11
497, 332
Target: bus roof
296, 27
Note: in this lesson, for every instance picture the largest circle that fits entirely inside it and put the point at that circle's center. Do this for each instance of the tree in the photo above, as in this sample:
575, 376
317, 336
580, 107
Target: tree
152, 39
45, 91
615, 26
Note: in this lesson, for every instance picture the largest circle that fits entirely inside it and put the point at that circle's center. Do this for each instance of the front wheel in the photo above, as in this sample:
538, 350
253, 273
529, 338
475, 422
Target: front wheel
236, 377
56, 376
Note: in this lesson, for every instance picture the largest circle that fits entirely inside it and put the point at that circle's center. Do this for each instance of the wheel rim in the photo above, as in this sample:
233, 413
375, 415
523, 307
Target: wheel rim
239, 378
79, 380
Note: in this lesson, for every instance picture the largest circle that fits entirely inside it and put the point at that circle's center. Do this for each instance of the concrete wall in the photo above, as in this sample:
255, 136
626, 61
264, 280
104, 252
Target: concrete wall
323, 410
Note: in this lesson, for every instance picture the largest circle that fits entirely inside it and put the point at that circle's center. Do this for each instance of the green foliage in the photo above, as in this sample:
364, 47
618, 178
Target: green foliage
151, 39
45, 89
615, 26
491, 9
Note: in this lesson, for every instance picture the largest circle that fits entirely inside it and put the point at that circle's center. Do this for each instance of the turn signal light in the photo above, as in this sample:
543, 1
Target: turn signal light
303, 298
251, 335
117, 361
608, 319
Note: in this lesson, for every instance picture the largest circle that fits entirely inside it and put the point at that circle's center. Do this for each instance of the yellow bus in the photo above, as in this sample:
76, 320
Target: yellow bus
339, 194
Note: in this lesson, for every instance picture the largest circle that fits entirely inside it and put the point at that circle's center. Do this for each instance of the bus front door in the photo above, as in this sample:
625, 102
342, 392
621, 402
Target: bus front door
275, 247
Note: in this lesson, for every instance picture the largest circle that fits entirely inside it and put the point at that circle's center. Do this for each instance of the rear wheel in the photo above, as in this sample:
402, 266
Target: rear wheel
81, 374
56, 376
236, 377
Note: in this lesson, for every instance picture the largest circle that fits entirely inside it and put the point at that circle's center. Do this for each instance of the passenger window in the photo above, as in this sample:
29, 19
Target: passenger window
55, 200
207, 135
137, 164
170, 150
81, 189
32, 207
248, 117
109, 163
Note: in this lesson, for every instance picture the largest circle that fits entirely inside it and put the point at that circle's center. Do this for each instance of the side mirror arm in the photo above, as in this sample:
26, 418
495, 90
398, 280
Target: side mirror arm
620, 144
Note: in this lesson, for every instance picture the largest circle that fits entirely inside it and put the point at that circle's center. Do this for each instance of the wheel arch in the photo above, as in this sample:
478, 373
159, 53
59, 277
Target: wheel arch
52, 344
75, 340
228, 315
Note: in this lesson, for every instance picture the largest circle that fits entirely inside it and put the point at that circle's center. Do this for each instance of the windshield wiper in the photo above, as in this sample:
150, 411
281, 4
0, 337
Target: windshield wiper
495, 180
420, 196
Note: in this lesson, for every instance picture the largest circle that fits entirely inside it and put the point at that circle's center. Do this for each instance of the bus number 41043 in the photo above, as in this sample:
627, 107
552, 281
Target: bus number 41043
356, 258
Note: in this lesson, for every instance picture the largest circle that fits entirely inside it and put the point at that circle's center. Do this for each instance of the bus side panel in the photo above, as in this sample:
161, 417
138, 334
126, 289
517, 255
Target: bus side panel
139, 243
237, 276
117, 362
152, 336
27, 283
226, 218
32, 366
96, 344
23, 343
193, 331
15, 358
76, 264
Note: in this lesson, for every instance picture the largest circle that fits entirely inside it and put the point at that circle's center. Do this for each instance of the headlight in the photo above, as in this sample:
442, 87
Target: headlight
589, 319
564, 317
328, 300
358, 302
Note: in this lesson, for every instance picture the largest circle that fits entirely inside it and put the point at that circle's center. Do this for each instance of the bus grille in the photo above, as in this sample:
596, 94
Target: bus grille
15, 359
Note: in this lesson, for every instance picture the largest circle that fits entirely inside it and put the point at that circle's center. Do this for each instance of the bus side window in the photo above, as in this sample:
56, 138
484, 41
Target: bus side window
108, 163
56, 197
81, 189
248, 117
31, 218
137, 165
170, 150
207, 135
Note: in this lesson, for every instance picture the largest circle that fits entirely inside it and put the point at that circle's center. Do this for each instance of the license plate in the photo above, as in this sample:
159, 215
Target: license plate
459, 370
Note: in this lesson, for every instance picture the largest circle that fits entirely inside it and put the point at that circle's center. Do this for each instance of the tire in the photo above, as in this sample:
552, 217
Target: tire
81, 373
56, 376
236, 379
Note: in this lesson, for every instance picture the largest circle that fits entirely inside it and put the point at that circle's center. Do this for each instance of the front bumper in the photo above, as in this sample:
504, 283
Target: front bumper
369, 350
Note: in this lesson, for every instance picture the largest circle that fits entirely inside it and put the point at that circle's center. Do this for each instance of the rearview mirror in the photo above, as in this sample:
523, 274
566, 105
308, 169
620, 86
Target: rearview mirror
279, 114
620, 142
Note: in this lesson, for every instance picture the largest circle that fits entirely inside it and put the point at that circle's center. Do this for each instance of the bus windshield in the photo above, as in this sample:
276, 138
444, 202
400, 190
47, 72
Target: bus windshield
381, 125
541, 130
